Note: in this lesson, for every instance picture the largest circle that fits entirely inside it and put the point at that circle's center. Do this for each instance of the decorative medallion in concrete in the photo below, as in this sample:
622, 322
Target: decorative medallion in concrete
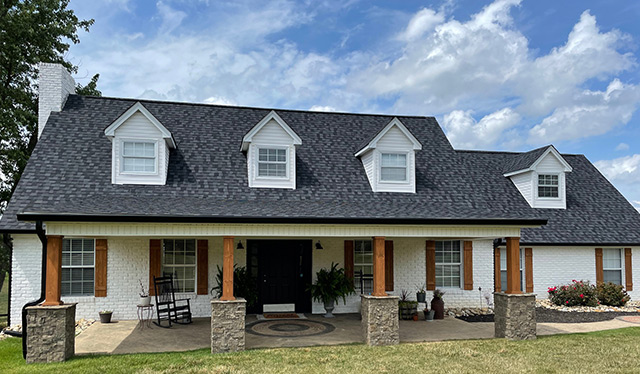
632, 319
289, 328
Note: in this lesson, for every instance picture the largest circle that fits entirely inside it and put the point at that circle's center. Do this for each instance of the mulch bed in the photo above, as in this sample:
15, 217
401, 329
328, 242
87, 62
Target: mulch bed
281, 315
544, 315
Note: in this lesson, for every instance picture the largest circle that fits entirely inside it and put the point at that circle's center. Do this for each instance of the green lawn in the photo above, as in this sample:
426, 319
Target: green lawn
4, 301
602, 352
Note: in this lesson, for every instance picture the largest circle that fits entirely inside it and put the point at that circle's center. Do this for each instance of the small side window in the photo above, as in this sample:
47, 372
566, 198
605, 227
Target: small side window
138, 157
393, 167
547, 185
272, 163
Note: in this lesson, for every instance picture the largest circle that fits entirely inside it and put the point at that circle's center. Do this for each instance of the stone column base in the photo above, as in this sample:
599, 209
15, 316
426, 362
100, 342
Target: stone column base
227, 325
515, 316
51, 333
380, 324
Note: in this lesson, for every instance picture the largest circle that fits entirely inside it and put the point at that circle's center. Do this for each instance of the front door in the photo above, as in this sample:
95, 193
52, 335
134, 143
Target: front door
283, 272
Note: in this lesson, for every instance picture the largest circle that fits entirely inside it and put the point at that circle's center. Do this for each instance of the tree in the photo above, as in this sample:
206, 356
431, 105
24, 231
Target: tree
91, 89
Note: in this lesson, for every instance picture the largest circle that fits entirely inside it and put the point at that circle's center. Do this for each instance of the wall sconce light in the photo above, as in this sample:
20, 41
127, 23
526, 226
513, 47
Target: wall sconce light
318, 245
240, 246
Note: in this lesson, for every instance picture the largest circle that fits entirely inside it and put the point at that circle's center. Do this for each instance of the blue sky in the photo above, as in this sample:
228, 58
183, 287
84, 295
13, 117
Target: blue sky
501, 75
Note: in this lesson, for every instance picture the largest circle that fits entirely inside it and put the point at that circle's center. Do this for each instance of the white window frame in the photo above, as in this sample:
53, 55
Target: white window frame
194, 265
538, 185
460, 264
286, 162
81, 267
356, 280
503, 270
406, 166
620, 269
137, 140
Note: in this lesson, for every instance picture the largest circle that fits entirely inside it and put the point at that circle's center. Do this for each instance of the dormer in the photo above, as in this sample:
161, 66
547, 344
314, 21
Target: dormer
540, 176
140, 148
389, 159
271, 153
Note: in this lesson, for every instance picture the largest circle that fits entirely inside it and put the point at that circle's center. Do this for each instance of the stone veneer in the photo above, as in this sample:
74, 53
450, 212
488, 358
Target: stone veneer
380, 324
227, 325
51, 333
515, 316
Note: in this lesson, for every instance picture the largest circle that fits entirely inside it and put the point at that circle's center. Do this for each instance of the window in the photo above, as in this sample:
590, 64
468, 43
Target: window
272, 162
363, 265
547, 185
612, 265
503, 269
139, 157
448, 263
393, 167
179, 260
77, 267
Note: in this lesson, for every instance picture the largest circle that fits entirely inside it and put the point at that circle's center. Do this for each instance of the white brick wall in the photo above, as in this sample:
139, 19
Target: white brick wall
54, 86
25, 270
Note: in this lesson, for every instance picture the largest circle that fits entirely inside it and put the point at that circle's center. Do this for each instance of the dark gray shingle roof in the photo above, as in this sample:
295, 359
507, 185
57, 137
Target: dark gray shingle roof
524, 160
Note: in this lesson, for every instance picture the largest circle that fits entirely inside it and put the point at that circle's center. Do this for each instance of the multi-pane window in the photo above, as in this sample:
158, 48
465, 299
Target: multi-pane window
272, 162
393, 167
612, 265
77, 267
503, 269
139, 157
363, 265
448, 263
179, 260
547, 185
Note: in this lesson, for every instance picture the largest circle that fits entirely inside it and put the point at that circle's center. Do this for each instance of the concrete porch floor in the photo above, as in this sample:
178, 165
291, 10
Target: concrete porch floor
124, 337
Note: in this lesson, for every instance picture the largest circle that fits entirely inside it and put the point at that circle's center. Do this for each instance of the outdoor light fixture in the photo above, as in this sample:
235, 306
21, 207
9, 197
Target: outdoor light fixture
318, 245
240, 246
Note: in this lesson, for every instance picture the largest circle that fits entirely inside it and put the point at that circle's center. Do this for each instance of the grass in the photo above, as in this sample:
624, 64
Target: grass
613, 351
4, 301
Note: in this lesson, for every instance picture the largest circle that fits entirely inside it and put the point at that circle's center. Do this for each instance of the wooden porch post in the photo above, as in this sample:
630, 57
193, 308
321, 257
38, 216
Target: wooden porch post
54, 270
227, 269
513, 265
378, 266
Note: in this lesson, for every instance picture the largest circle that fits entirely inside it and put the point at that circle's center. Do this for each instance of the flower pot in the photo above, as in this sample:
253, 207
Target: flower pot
428, 315
328, 307
415, 317
145, 301
437, 305
421, 297
105, 317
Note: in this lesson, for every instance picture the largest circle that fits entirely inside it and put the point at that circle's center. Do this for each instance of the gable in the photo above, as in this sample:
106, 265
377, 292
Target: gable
138, 126
395, 139
136, 111
271, 121
272, 133
549, 163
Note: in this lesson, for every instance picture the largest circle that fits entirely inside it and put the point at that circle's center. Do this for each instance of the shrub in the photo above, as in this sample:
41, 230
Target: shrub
576, 293
611, 294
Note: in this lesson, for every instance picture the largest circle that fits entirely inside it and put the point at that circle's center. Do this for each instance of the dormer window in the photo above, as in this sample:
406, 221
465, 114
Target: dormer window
393, 167
139, 157
272, 162
547, 186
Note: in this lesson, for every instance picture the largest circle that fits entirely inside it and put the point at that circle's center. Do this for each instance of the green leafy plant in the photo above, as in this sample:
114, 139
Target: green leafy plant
577, 293
244, 285
438, 293
105, 312
422, 288
611, 294
331, 285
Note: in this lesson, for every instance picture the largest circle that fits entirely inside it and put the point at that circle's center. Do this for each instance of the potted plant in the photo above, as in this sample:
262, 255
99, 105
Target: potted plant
437, 304
330, 286
407, 308
428, 314
145, 299
105, 316
421, 295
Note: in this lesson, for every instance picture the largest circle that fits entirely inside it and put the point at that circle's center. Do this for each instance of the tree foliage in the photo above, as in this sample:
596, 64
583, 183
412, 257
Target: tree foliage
91, 89
31, 31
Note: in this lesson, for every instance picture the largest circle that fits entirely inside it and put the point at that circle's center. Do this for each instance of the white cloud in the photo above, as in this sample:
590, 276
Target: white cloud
464, 132
425, 20
622, 147
624, 170
216, 100
320, 108
171, 18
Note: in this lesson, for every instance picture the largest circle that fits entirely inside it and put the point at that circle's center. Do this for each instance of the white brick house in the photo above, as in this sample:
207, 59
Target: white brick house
123, 190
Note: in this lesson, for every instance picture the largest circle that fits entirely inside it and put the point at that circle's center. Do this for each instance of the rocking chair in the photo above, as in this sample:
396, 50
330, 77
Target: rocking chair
167, 307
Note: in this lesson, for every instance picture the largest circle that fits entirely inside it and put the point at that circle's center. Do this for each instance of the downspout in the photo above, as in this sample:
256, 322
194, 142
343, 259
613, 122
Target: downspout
43, 283
6, 239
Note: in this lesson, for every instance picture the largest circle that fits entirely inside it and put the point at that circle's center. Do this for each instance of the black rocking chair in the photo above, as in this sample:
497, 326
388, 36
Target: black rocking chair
167, 307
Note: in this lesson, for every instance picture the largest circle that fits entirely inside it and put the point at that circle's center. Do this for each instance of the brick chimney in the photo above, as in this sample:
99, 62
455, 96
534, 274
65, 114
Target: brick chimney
54, 86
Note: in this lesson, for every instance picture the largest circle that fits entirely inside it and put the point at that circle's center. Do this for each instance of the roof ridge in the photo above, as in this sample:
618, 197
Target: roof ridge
511, 152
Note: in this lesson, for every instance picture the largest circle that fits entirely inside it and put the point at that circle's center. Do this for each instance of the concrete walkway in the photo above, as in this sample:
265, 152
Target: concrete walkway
125, 337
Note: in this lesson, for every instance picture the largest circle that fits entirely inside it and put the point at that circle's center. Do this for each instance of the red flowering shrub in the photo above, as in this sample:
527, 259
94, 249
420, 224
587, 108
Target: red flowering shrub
612, 294
576, 293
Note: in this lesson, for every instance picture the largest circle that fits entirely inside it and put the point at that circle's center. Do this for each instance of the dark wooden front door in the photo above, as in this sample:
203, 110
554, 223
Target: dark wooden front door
282, 269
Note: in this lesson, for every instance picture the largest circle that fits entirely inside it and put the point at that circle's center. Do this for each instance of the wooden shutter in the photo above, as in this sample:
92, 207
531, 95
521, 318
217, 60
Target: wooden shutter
388, 265
628, 274
431, 265
497, 275
155, 262
528, 269
468, 265
100, 286
599, 268
203, 267
348, 258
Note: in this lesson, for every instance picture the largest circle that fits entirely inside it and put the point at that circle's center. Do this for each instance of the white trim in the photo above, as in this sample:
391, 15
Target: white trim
139, 140
395, 122
248, 138
138, 107
551, 149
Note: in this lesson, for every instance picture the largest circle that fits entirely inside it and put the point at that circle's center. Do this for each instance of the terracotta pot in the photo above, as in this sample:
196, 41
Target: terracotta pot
437, 305
415, 317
